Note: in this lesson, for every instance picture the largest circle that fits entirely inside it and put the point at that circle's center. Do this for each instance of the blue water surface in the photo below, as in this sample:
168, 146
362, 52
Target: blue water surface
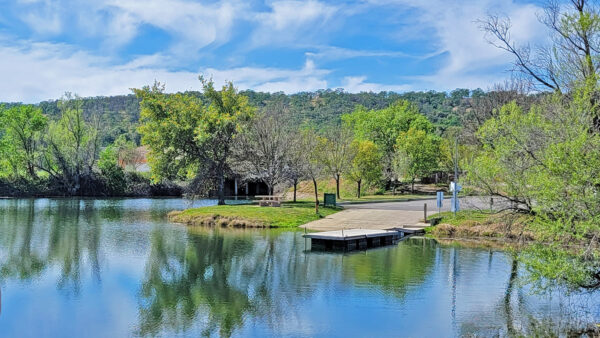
119, 268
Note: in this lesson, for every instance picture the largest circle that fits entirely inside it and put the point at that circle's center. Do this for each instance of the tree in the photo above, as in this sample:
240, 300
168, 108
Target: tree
484, 107
366, 164
383, 127
547, 163
23, 127
113, 174
298, 163
570, 59
312, 147
191, 138
262, 149
337, 154
418, 154
72, 147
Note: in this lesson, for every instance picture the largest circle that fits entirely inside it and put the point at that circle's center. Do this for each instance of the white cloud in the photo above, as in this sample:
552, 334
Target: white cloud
329, 53
194, 25
471, 61
44, 70
357, 84
292, 22
44, 18
309, 78
40, 71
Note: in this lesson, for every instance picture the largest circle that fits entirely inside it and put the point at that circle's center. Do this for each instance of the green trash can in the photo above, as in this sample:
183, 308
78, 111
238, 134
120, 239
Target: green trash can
329, 200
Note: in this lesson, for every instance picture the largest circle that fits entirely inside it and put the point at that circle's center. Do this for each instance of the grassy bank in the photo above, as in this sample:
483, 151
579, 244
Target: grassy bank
479, 224
252, 216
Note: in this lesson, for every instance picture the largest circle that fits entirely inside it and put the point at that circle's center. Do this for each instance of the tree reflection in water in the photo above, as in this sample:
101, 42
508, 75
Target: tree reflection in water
18, 259
61, 238
215, 281
218, 278
518, 314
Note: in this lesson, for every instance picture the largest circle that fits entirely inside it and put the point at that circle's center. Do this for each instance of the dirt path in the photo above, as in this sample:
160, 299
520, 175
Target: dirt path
383, 215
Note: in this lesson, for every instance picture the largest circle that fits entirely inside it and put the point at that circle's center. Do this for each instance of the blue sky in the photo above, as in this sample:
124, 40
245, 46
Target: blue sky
105, 47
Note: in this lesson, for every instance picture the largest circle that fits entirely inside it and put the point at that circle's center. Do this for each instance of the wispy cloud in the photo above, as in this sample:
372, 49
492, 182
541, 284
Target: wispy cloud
308, 78
92, 47
330, 53
357, 84
471, 61
46, 71
292, 22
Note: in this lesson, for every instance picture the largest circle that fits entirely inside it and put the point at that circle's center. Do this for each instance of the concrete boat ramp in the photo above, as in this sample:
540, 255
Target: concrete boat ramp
368, 225
359, 239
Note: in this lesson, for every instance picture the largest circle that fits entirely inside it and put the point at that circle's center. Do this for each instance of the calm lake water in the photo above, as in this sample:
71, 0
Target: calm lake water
115, 268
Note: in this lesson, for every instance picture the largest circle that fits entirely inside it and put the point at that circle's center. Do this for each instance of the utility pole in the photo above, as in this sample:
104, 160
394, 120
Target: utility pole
456, 159
455, 189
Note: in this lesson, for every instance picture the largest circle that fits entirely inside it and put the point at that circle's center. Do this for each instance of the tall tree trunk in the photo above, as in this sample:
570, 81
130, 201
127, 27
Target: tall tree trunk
316, 196
337, 185
295, 187
412, 186
507, 297
221, 191
31, 171
358, 193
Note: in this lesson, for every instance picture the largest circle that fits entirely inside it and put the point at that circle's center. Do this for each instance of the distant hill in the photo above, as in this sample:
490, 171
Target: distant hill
119, 114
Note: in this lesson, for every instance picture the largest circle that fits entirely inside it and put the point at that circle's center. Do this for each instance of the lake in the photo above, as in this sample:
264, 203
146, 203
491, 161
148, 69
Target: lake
117, 267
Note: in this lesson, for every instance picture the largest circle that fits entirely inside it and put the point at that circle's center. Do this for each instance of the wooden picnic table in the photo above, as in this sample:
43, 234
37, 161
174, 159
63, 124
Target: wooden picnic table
269, 200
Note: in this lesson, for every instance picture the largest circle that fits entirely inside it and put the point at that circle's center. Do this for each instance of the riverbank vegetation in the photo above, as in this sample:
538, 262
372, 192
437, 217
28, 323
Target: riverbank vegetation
206, 140
64, 156
471, 224
111, 132
289, 215
540, 153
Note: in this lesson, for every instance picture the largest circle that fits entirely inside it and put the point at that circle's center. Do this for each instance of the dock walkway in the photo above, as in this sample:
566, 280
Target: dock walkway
353, 239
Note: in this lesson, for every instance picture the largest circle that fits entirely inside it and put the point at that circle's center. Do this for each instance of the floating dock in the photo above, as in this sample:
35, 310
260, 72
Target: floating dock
358, 239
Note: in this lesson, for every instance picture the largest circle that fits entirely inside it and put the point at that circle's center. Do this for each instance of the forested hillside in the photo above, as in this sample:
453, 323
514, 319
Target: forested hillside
119, 114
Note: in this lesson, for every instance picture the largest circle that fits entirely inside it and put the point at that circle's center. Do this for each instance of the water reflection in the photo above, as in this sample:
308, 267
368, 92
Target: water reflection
118, 268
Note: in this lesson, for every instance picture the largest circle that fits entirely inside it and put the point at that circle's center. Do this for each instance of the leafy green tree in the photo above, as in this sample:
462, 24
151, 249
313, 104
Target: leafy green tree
366, 164
546, 162
418, 154
383, 127
190, 138
22, 127
168, 126
72, 147
114, 175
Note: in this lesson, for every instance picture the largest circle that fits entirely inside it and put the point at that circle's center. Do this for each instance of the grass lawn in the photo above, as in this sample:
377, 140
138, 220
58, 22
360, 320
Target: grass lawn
471, 224
464, 217
287, 216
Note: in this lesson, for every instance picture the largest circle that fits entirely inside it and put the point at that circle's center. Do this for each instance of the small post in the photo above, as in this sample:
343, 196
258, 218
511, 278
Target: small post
491, 204
425, 211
